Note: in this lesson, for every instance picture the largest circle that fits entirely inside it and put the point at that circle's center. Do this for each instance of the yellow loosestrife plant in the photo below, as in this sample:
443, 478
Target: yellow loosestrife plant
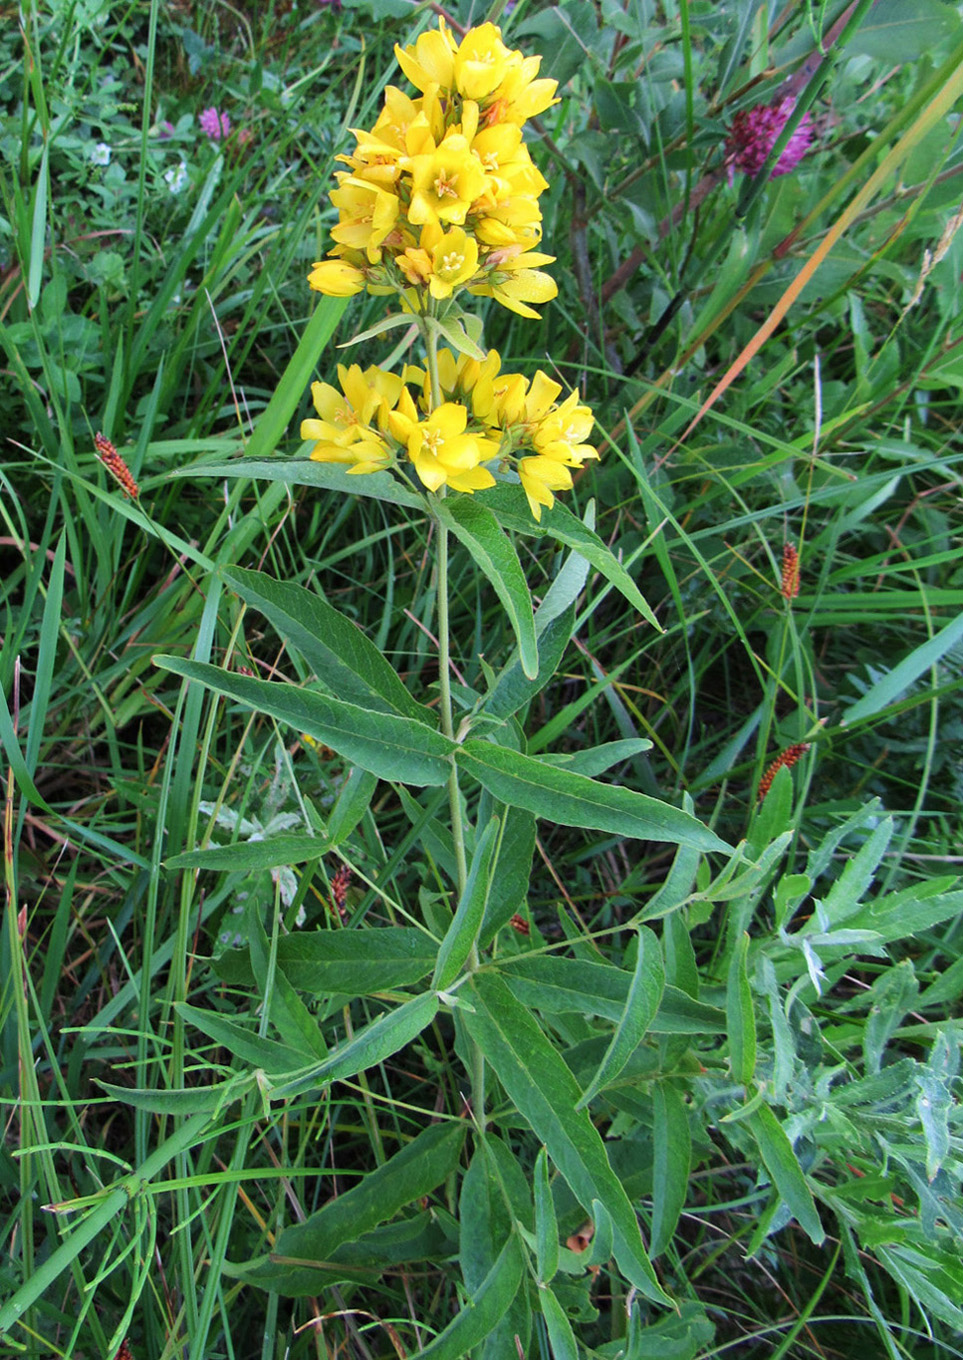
440, 199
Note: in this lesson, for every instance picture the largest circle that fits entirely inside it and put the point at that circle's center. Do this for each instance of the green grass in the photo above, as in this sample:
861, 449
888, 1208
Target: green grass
153, 1014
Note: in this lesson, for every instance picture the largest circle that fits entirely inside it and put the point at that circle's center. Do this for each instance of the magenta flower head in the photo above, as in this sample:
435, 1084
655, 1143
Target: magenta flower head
754, 133
215, 125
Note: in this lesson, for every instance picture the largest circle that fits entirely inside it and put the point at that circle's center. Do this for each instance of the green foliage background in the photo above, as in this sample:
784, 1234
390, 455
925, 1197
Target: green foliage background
235, 1116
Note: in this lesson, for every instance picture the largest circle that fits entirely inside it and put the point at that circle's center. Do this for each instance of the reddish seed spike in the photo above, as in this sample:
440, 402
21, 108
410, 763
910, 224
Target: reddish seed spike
116, 466
787, 758
124, 1352
519, 924
340, 882
790, 572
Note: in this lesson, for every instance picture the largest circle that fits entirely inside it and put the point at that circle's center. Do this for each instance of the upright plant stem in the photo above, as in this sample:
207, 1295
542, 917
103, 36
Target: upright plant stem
448, 725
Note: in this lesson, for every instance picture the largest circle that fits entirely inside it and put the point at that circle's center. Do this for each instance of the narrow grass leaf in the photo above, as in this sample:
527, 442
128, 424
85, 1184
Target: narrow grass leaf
641, 1004
897, 681
560, 1335
48, 1271
511, 509
346, 662
493, 552
787, 1175
466, 923
388, 745
343, 962
671, 1152
272, 426
546, 1224
545, 1092
301, 1261
574, 800
740, 1015
46, 656
38, 229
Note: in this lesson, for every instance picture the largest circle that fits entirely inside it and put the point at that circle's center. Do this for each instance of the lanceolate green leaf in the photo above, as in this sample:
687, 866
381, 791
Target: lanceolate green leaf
379, 486
352, 962
787, 1176
483, 1311
575, 800
545, 1092
641, 1004
250, 1048
494, 553
546, 1224
389, 746
671, 1148
466, 923
341, 656
243, 856
558, 986
387, 1035
740, 1014
511, 509
418, 1169
560, 1334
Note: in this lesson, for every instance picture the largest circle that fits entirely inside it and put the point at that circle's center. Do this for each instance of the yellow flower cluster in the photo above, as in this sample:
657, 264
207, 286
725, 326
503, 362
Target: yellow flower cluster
374, 423
442, 195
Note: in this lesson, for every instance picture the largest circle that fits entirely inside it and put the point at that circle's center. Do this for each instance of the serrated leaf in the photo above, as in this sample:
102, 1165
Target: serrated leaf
493, 552
346, 662
390, 746
545, 1092
574, 800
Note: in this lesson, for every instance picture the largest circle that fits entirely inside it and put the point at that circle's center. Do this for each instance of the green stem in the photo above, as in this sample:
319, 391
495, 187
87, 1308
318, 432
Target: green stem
447, 720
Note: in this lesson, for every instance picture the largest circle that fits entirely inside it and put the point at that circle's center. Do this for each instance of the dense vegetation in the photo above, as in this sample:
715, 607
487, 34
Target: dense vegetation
299, 1056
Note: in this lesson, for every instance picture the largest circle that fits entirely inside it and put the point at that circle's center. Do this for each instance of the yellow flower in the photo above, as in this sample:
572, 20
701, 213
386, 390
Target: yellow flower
562, 432
454, 261
443, 450
513, 283
343, 434
444, 182
431, 61
368, 215
336, 278
520, 96
480, 62
540, 476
